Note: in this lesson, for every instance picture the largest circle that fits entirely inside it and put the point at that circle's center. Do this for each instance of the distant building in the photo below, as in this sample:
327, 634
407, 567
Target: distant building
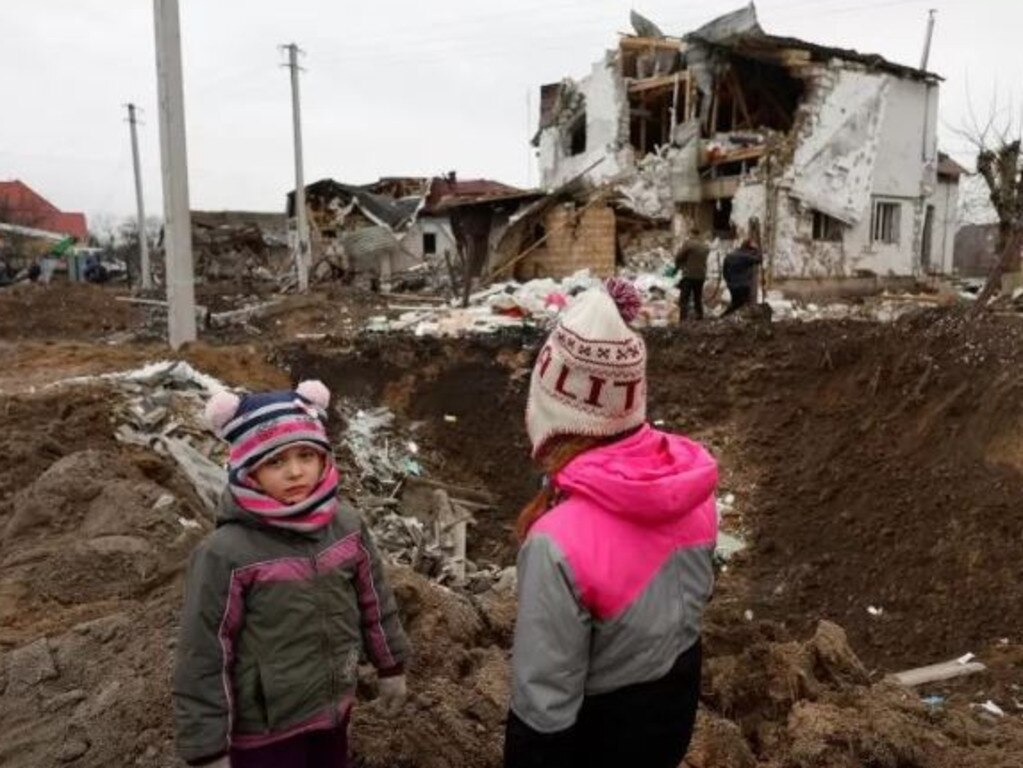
23, 207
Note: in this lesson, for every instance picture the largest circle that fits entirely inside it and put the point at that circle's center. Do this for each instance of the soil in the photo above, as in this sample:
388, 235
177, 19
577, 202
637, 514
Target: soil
872, 466
62, 310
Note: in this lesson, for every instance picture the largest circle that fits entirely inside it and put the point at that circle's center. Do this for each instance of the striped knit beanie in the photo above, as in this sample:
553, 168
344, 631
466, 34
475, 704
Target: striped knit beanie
590, 376
260, 425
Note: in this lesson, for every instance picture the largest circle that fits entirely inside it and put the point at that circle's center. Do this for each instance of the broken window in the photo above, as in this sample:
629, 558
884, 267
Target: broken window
827, 229
429, 243
577, 136
885, 222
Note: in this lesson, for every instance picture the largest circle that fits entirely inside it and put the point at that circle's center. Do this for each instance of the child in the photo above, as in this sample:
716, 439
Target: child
281, 598
615, 568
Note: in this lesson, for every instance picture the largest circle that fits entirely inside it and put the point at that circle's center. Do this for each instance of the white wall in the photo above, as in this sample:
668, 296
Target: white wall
946, 224
439, 226
606, 101
907, 155
866, 137
840, 140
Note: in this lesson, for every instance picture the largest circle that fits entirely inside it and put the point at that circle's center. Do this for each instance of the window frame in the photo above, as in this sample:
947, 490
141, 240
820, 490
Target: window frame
826, 229
886, 222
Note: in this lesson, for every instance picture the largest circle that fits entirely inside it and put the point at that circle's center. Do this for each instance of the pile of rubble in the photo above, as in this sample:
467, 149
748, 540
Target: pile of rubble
418, 522
536, 303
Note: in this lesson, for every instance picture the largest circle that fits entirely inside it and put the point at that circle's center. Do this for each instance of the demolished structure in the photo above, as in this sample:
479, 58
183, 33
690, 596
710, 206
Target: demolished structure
239, 244
828, 156
397, 227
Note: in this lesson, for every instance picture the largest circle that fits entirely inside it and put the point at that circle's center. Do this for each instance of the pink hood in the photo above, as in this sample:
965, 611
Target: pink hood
652, 478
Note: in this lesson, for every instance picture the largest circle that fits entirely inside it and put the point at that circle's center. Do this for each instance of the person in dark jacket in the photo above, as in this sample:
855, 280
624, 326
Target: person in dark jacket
740, 272
691, 263
282, 599
615, 566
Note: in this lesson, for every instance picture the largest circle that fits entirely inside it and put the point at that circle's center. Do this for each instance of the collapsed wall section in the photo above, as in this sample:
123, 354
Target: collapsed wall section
584, 126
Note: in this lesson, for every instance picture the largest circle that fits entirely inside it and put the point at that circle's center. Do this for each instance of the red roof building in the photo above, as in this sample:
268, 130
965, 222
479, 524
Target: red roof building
448, 189
22, 206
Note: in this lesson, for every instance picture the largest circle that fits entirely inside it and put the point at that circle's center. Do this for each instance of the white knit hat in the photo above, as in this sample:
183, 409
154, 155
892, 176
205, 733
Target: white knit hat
590, 376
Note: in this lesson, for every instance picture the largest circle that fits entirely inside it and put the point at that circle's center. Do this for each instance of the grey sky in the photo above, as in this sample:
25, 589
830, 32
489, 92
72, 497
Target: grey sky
394, 87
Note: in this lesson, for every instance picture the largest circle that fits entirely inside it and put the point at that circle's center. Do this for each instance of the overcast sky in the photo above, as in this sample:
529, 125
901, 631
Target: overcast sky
393, 87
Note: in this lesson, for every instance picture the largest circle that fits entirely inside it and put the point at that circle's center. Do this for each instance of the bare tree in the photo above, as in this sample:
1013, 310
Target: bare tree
1000, 163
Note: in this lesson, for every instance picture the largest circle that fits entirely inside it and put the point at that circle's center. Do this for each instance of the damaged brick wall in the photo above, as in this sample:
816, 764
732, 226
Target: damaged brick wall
573, 243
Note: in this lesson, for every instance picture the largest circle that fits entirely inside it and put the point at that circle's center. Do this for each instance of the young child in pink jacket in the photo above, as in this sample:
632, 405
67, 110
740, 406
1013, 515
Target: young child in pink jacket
616, 562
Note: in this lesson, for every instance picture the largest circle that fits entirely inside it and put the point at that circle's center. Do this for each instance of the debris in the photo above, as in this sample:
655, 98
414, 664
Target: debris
948, 670
728, 546
991, 708
875, 612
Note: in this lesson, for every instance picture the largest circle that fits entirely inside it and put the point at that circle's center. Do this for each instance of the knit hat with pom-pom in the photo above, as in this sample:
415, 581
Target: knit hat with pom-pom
260, 425
590, 376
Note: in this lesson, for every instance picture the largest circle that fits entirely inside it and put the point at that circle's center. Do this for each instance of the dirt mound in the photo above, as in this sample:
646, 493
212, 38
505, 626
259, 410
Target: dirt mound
91, 551
65, 311
810, 705
458, 683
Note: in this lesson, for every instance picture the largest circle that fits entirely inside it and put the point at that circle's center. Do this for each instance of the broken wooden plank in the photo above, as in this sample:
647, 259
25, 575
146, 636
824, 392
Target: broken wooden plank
662, 82
424, 297
738, 155
935, 673
647, 43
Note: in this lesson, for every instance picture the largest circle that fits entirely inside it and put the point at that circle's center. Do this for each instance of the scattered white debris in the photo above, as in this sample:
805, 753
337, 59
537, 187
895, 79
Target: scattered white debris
748, 615
177, 371
875, 612
966, 658
728, 546
189, 524
450, 419
991, 708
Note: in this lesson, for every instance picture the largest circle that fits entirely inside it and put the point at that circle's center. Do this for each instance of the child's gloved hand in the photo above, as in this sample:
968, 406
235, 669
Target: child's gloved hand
393, 692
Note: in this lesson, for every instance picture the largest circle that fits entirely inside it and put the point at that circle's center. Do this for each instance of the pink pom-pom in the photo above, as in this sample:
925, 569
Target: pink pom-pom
221, 408
315, 392
626, 296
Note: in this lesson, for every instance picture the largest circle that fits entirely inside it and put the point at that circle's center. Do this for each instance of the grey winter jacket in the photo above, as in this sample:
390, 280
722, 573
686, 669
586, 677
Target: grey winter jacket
273, 627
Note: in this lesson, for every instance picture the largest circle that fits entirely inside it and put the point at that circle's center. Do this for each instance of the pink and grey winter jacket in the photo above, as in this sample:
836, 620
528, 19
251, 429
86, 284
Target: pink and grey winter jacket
614, 579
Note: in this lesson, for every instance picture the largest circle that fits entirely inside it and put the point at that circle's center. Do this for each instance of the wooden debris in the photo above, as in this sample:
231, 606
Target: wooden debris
936, 673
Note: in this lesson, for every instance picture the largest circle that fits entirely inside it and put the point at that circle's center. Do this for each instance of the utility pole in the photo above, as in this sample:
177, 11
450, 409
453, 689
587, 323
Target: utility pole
927, 40
174, 162
147, 278
302, 254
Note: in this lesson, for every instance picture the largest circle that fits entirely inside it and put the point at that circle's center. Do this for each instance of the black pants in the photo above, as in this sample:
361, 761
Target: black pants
740, 298
691, 287
647, 725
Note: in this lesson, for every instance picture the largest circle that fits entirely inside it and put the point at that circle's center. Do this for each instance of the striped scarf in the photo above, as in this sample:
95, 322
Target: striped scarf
264, 425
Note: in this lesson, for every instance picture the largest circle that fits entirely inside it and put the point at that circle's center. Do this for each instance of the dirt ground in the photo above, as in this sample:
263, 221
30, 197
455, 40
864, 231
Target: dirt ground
873, 466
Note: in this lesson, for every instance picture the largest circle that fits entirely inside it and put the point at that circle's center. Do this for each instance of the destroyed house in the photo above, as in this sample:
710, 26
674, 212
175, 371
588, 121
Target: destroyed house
395, 225
356, 231
827, 156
